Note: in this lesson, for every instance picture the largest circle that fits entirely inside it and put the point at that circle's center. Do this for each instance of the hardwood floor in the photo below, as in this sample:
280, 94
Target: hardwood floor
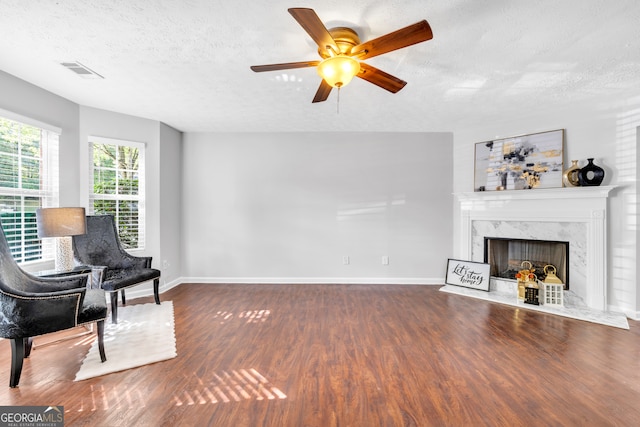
350, 355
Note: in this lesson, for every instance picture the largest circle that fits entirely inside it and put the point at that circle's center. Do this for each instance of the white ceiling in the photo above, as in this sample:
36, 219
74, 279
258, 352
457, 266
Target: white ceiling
186, 62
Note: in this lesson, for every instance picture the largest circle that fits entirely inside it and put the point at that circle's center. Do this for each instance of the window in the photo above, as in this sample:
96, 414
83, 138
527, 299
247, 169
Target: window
117, 174
28, 180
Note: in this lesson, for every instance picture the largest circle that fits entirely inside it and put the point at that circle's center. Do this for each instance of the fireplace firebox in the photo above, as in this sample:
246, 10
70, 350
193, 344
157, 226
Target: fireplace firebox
506, 256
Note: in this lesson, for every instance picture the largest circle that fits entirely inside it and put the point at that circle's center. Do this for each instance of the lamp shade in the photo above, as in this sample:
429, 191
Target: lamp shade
338, 71
61, 222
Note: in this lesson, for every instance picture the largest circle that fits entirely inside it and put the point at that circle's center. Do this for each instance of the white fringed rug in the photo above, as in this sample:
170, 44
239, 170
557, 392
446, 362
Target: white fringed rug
144, 334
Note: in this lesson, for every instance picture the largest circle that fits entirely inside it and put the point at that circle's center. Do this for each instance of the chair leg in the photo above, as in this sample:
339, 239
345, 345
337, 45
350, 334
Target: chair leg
17, 359
124, 300
100, 328
156, 288
114, 307
28, 344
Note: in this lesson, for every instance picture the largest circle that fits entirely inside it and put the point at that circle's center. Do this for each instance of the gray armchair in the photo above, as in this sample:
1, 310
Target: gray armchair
32, 306
100, 246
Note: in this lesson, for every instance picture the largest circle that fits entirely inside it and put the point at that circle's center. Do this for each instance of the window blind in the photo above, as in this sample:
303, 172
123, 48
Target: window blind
28, 180
117, 186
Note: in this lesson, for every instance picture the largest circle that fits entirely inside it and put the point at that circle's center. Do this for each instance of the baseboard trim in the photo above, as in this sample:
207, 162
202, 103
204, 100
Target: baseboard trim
317, 280
633, 315
147, 290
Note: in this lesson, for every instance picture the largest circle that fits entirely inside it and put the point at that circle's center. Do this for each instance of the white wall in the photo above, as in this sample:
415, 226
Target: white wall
171, 205
606, 131
287, 207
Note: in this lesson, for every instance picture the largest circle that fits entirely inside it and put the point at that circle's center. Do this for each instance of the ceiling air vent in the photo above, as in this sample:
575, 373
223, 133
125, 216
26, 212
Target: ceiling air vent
81, 70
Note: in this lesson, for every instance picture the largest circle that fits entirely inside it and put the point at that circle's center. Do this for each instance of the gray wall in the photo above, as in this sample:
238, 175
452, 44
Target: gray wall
287, 207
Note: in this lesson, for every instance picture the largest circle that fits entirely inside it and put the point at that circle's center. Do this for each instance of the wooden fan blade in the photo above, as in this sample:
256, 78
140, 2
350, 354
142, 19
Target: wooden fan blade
380, 78
407, 36
285, 66
308, 20
323, 92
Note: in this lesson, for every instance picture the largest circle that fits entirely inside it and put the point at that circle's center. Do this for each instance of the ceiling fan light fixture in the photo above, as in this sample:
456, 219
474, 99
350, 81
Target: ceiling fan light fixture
344, 56
338, 70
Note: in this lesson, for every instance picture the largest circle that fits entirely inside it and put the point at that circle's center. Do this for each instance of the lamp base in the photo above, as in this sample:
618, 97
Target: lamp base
64, 254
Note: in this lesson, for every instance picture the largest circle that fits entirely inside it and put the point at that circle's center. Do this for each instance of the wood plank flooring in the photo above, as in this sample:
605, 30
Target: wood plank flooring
350, 355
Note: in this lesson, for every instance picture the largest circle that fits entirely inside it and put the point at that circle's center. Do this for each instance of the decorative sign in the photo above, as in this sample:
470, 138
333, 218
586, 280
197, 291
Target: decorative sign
474, 275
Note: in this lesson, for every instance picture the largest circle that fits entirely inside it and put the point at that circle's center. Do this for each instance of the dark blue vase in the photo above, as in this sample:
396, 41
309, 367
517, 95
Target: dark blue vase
591, 175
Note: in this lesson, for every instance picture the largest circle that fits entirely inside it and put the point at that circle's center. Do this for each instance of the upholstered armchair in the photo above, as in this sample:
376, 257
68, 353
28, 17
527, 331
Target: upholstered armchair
32, 306
101, 246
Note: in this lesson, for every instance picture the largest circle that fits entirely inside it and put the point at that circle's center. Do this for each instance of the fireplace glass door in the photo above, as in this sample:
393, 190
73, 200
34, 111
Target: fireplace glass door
507, 255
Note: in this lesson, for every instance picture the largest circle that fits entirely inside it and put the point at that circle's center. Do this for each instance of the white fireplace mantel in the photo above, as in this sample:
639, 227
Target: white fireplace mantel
580, 213
539, 194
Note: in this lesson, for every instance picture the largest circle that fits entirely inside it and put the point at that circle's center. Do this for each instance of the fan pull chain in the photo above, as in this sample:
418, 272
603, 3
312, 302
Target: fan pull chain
338, 103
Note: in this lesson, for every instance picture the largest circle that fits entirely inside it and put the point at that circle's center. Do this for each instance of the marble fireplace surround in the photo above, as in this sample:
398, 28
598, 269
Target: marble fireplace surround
576, 215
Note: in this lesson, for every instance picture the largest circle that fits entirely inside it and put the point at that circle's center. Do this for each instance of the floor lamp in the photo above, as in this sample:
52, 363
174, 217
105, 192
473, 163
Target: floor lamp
61, 223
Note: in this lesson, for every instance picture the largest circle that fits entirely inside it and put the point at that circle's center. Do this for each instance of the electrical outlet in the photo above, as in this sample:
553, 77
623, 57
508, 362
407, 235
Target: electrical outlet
385, 260
165, 265
345, 260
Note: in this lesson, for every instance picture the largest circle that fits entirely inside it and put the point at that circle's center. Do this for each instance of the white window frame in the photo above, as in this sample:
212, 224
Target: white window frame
49, 191
139, 198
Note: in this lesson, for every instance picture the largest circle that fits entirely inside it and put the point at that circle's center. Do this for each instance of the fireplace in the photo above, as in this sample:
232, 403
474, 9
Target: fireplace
577, 216
507, 255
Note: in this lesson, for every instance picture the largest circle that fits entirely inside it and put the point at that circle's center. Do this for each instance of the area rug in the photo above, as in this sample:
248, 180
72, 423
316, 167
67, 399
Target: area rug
144, 334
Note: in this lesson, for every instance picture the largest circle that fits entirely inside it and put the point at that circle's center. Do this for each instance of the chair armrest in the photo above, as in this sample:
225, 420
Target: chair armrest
116, 259
133, 261
45, 294
98, 273
52, 284
28, 314
147, 260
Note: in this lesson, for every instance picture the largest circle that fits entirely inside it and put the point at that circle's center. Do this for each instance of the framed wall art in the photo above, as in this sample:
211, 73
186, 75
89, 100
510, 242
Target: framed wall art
520, 162
469, 274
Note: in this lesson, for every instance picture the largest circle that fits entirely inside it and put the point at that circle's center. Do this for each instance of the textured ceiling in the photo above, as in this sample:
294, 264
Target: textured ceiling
186, 62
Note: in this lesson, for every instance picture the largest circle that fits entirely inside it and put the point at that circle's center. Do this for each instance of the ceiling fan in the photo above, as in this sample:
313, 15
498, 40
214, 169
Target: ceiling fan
342, 52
